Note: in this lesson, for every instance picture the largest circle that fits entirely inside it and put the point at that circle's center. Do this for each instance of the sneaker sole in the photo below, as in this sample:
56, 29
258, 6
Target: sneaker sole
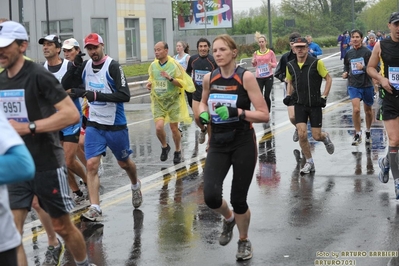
247, 257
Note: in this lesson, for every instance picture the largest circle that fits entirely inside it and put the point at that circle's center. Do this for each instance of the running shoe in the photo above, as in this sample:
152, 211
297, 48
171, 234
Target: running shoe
78, 199
244, 251
329, 145
383, 175
165, 152
357, 139
227, 233
202, 134
177, 157
137, 197
368, 138
295, 137
307, 168
93, 215
53, 255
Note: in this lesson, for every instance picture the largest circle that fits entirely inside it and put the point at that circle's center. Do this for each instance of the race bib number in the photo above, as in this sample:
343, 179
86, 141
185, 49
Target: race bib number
263, 70
13, 103
393, 73
199, 76
355, 61
97, 87
160, 86
230, 100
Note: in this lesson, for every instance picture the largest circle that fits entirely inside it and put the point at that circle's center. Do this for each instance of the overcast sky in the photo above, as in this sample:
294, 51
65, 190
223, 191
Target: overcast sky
241, 5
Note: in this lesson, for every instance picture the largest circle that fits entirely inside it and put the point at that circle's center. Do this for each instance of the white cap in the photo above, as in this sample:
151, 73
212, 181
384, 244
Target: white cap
70, 43
11, 31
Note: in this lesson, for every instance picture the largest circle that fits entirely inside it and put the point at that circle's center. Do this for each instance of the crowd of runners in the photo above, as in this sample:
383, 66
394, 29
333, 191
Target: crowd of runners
71, 111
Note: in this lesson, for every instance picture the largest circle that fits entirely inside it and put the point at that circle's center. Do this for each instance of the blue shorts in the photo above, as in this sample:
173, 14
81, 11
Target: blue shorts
97, 140
366, 94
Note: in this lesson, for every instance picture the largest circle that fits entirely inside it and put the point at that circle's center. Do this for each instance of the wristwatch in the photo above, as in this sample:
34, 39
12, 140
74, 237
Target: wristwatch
32, 127
171, 79
242, 115
324, 97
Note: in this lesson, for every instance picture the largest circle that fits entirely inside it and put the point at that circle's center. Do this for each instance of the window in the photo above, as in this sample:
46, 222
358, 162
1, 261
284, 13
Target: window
61, 28
159, 30
99, 26
132, 38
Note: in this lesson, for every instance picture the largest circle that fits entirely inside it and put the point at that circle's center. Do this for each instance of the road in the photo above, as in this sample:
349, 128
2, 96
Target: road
340, 214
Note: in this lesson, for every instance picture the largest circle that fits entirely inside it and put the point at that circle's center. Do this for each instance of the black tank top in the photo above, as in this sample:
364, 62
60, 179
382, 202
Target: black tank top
228, 91
389, 55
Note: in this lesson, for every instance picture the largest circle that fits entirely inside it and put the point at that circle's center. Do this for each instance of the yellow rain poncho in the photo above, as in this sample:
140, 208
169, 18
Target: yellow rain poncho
168, 101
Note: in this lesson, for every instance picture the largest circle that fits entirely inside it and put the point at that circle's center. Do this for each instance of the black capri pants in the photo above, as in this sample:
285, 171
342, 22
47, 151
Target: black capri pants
242, 154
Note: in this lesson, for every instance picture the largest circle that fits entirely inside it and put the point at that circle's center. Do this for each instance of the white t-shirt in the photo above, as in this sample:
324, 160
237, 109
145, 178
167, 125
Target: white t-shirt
10, 237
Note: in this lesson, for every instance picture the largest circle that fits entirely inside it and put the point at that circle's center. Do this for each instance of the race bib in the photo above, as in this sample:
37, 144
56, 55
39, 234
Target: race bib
199, 76
263, 70
97, 87
230, 100
13, 103
356, 71
393, 73
160, 86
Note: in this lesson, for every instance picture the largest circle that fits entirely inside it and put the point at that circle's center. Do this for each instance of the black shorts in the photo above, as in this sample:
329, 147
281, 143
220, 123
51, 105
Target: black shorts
51, 188
390, 107
70, 138
313, 114
197, 94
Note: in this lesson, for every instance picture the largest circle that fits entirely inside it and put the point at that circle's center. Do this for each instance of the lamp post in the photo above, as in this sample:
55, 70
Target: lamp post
47, 19
10, 9
270, 24
353, 14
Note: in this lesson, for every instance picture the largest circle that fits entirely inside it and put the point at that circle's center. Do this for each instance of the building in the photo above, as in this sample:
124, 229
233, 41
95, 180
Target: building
130, 28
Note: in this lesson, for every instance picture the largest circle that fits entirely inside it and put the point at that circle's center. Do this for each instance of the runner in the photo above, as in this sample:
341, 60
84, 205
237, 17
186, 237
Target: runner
385, 51
264, 60
166, 82
360, 85
199, 65
16, 165
226, 103
69, 136
46, 109
182, 57
106, 91
304, 77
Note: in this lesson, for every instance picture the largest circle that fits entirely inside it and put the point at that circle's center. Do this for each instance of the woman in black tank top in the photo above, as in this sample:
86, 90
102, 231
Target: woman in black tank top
226, 99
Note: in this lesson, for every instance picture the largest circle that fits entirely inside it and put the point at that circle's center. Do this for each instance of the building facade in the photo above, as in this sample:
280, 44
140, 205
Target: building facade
130, 28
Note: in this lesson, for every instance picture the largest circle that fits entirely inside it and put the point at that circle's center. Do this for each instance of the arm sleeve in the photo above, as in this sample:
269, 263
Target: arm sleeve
16, 165
122, 92
73, 76
189, 66
346, 63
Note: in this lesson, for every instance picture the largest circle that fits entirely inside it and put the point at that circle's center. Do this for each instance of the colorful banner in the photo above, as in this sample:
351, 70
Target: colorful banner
209, 14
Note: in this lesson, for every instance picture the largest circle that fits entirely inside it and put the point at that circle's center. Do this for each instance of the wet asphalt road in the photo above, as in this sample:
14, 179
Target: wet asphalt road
296, 220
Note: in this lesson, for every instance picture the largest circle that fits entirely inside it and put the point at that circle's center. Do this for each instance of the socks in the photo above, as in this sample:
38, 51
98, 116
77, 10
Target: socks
82, 263
393, 161
310, 160
96, 206
231, 218
135, 186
